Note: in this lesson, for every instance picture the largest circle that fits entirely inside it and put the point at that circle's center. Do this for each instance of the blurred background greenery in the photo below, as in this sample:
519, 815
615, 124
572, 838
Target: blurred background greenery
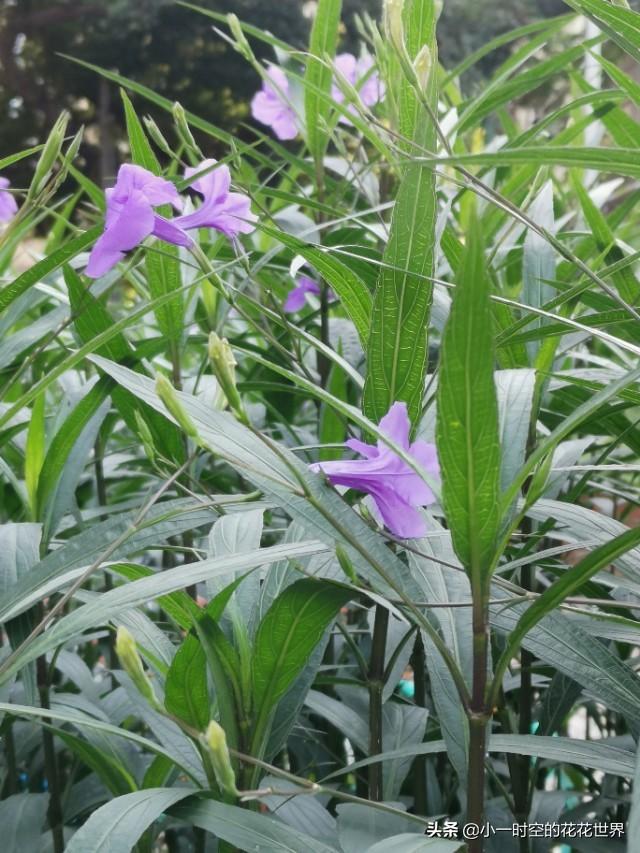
176, 52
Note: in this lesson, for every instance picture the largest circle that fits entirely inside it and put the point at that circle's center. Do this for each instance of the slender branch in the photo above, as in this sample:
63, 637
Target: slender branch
418, 662
479, 716
54, 811
376, 687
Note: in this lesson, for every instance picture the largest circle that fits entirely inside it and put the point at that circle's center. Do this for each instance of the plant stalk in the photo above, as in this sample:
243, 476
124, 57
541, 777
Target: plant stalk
479, 716
376, 687
54, 812
418, 663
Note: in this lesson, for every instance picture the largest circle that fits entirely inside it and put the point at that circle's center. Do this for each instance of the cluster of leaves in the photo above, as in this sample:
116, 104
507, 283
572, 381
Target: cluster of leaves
156, 44
360, 687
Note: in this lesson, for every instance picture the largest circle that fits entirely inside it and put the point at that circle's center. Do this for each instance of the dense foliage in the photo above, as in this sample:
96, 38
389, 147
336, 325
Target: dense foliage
157, 44
318, 461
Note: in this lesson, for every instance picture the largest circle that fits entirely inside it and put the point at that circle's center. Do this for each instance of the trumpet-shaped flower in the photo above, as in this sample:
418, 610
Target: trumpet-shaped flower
297, 296
396, 489
8, 204
271, 105
358, 73
226, 211
131, 216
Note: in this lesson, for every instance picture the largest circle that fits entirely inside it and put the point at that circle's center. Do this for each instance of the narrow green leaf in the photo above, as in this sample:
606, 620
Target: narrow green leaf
286, 637
333, 427
467, 425
616, 161
568, 583
539, 259
521, 83
34, 452
348, 285
625, 280
397, 346
22, 817
185, 694
319, 74
42, 268
119, 824
247, 830
107, 606
596, 755
114, 775
617, 21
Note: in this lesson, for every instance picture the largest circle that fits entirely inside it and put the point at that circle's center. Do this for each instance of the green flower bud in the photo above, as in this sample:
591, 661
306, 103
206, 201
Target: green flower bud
345, 564
216, 741
145, 434
156, 134
241, 44
224, 364
422, 65
49, 155
131, 662
167, 394
393, 23
184, 131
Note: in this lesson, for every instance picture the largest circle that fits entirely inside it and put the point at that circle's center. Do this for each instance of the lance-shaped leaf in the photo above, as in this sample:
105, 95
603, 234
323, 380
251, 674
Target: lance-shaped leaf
569, 583
286, 637
317, 102
617, 21
397, 349
467, 426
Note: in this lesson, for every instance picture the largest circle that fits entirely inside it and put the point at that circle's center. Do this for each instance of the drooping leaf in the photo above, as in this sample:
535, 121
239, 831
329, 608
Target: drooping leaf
121, 822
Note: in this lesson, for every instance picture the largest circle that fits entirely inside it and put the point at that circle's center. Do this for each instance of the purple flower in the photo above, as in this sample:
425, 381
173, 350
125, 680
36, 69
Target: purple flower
371, 89
131, 217
8, 204
297, 295
271, 105
395, 488
227, 212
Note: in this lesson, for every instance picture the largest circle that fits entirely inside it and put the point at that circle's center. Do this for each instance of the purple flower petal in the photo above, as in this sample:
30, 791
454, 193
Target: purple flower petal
271, 106
297, 295
130, 217
396, 425
227, 212
128, 223
357, 72
361, 447
215, 184
8, 204
402, 519
396, 489
295, 300
156, 190
165, 230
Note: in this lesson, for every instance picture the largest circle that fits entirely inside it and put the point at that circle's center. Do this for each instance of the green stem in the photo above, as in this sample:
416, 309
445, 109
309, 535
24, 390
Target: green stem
479, 716
101, 494
11, 780
521, 788
54, 812
418, 663
376, 687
